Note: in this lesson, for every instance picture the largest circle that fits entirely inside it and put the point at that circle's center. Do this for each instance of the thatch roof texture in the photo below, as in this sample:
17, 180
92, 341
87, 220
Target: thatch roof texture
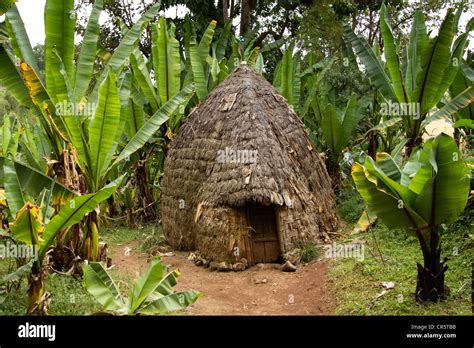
202, 194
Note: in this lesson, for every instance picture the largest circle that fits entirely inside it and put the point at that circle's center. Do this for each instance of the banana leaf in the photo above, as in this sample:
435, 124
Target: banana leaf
103, 127
100, 285
87, 53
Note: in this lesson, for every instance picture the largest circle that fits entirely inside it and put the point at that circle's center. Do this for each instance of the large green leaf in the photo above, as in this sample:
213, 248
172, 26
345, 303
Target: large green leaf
446, 181
33, 181
199, 75
125, 92
71, 117
64, 92
73, 212
337, 132
391, 56
59, 22
206, 40
296, 87
142, 76
128, 43
12, 186
163, 299
221, 44
6, 135
100, 284
461, 83
43, 100
277, 77
87, 54
134, 120
312, 94
434, 64
103, 127
28, 227
453, 66
155, 122
461, 101
375, 174
385, 162
166, 61
410, 169
287, 75
354, 112
11, 79
382, 202
146, 284
19, 38
169, 303
417, 46
165, 287
374, 68
331, 126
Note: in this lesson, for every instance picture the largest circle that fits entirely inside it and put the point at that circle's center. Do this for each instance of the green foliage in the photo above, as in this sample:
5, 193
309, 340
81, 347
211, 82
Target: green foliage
431, 66
68, 297
350, 203
287, 78
151, 294
432, 189
310, 252
389, 255
338, 128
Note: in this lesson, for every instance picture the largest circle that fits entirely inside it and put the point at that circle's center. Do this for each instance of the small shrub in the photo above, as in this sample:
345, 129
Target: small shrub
310, 252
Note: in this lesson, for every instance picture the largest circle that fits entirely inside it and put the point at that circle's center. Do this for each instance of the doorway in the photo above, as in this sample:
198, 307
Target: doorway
264, 233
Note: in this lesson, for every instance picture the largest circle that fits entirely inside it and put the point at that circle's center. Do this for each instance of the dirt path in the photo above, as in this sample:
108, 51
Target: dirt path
256, 291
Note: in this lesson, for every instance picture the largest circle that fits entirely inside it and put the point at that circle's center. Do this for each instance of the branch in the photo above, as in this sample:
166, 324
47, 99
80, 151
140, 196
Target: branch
276, 36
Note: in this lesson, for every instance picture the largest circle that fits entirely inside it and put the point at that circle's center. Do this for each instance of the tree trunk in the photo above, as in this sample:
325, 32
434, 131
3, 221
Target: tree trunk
145, 199
334, 173
430, 281
246, 11
412, 144
36, 294
372, 146
457, 136
225, 9
68, 244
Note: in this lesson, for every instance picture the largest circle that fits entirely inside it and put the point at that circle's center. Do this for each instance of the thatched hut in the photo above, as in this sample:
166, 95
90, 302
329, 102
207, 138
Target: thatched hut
242, 179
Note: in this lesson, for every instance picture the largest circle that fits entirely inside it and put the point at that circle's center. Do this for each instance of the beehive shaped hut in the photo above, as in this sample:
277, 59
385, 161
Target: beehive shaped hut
242, 179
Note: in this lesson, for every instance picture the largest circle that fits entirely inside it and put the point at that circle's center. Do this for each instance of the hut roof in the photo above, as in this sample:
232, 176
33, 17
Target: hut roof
245, 144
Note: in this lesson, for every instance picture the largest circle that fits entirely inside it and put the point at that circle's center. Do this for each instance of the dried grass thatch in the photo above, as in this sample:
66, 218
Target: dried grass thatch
203, 198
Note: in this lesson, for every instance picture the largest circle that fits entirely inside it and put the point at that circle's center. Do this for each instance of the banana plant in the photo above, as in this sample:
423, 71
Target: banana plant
28, 228
91, 125
151, 294
429, 192
287, 78
431, 67
337, 128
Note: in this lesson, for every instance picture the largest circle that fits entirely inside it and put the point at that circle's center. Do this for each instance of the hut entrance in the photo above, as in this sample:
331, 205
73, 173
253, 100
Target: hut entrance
264, 235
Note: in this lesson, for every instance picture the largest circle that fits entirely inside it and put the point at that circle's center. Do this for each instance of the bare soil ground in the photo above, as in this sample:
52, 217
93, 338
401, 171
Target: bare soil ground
260, 290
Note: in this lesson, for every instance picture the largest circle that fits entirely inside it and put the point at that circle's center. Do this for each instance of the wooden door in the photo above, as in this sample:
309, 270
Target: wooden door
264, 235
